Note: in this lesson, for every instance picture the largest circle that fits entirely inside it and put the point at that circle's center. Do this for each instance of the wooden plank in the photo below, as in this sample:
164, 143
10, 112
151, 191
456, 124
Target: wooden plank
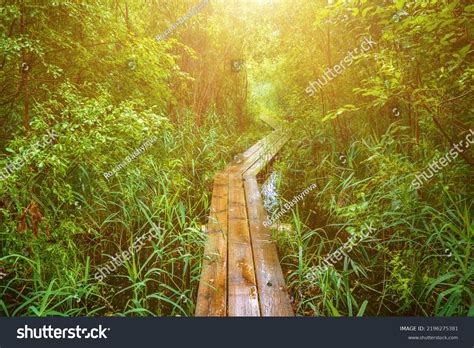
249, 158
239, 252
266, 155
253, 148
212, 288
212, 292
242, 288
273, 295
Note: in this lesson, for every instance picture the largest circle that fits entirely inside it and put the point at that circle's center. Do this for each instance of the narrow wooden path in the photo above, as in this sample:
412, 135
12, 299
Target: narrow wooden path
241, 273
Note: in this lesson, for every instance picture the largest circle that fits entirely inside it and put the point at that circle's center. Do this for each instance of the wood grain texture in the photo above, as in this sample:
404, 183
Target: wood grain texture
212, 292
273, 295
266, 154
242, 286
241, 273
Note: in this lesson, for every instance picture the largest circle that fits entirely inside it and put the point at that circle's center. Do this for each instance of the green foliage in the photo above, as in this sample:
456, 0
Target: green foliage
397, 108
93, 73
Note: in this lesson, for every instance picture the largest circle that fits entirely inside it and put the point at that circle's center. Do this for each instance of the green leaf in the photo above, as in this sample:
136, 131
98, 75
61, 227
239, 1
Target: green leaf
362, 308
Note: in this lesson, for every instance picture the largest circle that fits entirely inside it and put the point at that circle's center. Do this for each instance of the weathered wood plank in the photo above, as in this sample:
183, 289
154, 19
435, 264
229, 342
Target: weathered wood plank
239, 253
212, 292
273, 296
248, 159
242, 288
266, 155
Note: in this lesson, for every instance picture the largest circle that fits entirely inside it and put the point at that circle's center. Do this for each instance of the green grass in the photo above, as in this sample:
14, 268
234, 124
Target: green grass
91, 219
419, 262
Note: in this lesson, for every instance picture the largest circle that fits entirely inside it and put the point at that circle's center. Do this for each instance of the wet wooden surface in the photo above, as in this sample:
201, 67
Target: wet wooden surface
241, 273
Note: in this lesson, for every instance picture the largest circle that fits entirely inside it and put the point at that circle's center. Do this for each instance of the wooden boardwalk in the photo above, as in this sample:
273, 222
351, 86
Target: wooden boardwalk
241, 273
